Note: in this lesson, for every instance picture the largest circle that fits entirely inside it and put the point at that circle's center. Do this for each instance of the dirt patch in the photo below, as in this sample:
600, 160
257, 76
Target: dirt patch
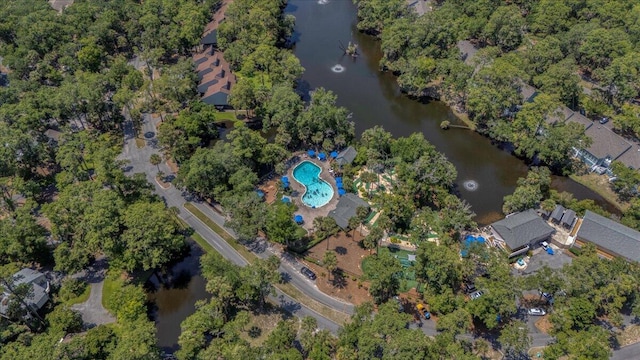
270, 189
172, 166
140, 143
342, 285
544, 324
264, 323
348, 251
630, 335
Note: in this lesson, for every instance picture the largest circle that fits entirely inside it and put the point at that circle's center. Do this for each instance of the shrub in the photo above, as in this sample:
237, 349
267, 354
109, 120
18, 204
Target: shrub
71, 288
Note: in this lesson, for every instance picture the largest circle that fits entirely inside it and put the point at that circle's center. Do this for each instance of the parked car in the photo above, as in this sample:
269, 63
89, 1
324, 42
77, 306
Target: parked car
536, 312
476, 295
604, 120
545, 245
308, 273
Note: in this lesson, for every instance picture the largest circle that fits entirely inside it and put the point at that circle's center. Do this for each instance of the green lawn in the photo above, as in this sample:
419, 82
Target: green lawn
226, 115
111, 285
80, 298
337, 316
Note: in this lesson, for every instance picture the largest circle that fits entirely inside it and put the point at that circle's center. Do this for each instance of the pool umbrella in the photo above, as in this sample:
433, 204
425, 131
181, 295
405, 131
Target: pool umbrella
285, 179
286, 200
338, 179
334, 154
311, 153
260, 193
322, 156
298, 219
341, 191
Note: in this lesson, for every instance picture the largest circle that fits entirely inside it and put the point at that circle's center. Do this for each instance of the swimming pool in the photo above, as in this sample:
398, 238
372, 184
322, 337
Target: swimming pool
317, 191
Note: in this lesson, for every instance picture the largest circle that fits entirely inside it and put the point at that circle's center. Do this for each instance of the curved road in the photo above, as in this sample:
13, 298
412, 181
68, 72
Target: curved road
138, 162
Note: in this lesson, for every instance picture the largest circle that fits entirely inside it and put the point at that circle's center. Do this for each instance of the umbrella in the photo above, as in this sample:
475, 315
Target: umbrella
285, 179
334, 154
298, 219
338, 179
286, 200
311, 153
341, 191
322, 156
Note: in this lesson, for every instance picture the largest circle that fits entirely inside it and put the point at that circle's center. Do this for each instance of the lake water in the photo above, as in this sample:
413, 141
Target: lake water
323, 28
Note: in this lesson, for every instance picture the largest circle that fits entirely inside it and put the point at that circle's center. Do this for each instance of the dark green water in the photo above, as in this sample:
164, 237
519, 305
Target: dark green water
375, 99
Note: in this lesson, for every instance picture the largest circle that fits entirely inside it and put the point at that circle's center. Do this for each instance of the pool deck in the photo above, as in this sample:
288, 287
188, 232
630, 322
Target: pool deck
307, 212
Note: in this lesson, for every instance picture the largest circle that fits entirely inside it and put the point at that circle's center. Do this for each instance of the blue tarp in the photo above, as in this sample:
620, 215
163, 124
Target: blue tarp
298, 219
311, 153
468, 240
334, 154
322, 156
341, 191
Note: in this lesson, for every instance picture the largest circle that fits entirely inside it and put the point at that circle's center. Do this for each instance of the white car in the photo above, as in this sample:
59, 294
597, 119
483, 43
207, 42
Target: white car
536, 312
545, 245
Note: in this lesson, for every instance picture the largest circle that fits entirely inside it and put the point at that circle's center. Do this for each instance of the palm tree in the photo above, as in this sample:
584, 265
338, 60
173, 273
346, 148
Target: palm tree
330, 261
354, 222
155, 159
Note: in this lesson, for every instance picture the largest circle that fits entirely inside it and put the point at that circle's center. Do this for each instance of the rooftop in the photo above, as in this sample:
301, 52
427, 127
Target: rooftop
556, 214
522, 228
610, 235
631, 157
606, 143
346, 156
347, 208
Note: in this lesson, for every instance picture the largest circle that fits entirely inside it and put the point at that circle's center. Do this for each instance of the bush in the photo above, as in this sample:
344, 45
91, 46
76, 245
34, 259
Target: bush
575, 251
394, 240
71, 288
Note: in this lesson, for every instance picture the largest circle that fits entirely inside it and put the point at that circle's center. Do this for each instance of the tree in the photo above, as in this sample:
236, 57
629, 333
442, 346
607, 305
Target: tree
626, 181
529, 192
438, 266
504, 28
330, 261
374, 15
373, 238
455, 323
514, 338
354, 222
383, 271
243, 96
155, 159
151, 237
279, 224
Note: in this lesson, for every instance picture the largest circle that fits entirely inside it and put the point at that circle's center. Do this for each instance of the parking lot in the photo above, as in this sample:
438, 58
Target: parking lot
540, 258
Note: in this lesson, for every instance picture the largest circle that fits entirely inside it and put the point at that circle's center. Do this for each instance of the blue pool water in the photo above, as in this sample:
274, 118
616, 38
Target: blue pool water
318, 192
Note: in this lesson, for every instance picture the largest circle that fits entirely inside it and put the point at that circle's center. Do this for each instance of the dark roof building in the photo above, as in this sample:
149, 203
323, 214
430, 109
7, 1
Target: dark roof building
568, 219
347, 208
556, 214
36, 298
521, 230
631, 157
346, 156
609, 237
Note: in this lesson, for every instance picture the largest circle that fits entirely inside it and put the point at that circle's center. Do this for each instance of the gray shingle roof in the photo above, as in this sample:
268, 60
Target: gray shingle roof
346, 156
568, 218
631, 157
346, 209
610, 236
606, 142
556, 214
522, 229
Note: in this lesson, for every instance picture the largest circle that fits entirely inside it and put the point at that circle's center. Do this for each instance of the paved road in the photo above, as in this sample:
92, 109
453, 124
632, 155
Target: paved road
138, 162
92, 311
627, 352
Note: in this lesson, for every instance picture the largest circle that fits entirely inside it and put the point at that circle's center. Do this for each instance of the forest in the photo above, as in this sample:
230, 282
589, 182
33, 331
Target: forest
76, 79
580, 54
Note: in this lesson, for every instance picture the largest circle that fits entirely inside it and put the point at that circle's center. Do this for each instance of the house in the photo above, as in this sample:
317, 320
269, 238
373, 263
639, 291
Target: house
347, 208
568, 219
611, 238
606, 147
346, 156
556, 214
214, 72
36, 298
518, 232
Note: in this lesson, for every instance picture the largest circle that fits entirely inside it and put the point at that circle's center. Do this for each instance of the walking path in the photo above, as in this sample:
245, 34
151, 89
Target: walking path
92, 311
